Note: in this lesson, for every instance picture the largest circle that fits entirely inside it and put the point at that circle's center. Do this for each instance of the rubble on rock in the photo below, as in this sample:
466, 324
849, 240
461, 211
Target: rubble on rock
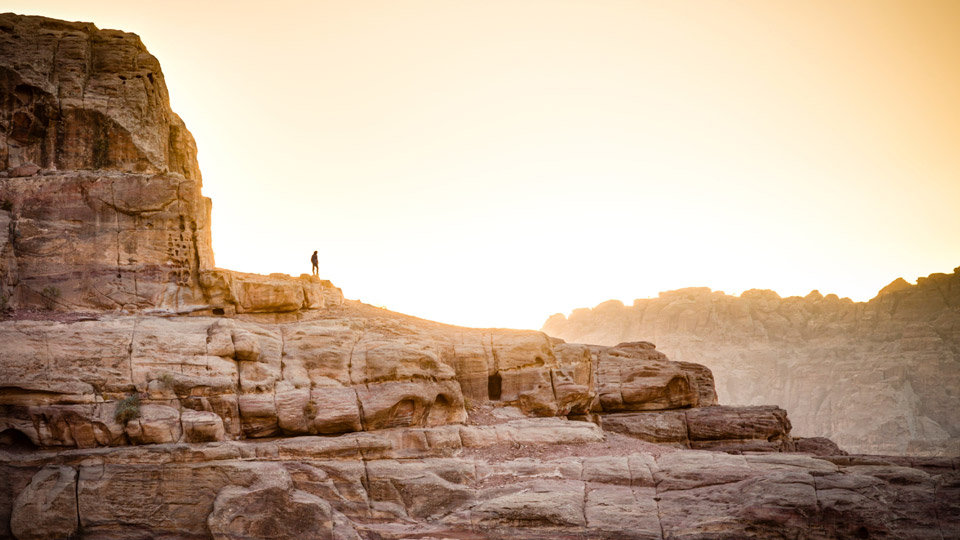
155, 395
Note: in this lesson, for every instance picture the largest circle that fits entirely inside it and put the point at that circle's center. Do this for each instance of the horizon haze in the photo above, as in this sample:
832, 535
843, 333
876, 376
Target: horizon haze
895, 284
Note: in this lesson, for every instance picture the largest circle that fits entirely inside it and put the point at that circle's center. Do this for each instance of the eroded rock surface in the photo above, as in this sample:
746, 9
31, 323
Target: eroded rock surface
100, 202
47, 508
877, 377
762, 428
335, 493
338, 370
101, 192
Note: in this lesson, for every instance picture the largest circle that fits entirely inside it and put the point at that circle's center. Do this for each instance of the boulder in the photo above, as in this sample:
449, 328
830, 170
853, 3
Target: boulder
156, 424
27, 169
818, 446
658, 427
637, 377
267, 293
752, 428
202, 426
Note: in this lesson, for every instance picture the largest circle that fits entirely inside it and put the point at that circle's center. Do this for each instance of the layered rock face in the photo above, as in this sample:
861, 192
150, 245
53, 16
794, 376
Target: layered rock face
217, 404
101, 205
100, 202
432, 483
876, 377
351, 368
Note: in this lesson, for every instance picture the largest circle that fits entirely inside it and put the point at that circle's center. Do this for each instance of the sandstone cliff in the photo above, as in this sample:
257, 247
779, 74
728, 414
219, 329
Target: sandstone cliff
877, 377
100, 202
101, 205
157, 396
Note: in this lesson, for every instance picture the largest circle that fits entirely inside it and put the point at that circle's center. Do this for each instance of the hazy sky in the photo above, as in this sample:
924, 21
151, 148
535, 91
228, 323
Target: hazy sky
489, 163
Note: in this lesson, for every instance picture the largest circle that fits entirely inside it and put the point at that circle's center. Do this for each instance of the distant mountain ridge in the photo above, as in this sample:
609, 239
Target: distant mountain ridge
881, 376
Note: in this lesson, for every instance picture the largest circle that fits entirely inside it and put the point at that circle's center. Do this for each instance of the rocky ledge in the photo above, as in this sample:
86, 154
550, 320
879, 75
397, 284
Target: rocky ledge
535, 478
145, 393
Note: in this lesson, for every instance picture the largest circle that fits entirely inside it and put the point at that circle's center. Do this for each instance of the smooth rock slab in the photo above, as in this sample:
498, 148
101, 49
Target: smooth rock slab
629, 513
541, 504
759, 428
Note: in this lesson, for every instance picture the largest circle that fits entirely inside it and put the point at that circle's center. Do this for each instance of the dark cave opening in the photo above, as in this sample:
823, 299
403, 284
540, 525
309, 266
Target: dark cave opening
493, 386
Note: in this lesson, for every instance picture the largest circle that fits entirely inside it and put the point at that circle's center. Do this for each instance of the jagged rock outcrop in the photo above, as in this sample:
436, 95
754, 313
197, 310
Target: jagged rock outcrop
877, 377
205, 403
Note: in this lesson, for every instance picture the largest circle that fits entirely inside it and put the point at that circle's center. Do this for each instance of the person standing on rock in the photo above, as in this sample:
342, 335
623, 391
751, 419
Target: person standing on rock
316, 264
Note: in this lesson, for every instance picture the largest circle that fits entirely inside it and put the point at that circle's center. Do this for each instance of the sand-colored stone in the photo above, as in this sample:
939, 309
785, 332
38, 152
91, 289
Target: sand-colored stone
761, 428
677, 493
637, 377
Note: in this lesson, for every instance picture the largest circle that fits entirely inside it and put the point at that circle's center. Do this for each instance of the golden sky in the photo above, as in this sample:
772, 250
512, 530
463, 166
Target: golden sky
489, 163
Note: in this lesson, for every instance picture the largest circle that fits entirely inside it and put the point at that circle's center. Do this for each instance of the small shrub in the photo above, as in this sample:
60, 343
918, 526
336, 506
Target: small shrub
310, 409
127, 409
49, 297
167, 380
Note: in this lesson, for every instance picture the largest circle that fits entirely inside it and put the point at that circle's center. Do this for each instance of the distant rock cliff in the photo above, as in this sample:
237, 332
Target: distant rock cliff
880, 377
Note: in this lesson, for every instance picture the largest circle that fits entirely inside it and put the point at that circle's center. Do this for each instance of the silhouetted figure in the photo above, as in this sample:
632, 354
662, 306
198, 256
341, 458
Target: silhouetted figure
316, 264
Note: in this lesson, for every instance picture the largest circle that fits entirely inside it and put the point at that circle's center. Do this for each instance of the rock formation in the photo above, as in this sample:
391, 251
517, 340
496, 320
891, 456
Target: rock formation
101, 206
101, 187
157, 396
876, 377
436, 483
